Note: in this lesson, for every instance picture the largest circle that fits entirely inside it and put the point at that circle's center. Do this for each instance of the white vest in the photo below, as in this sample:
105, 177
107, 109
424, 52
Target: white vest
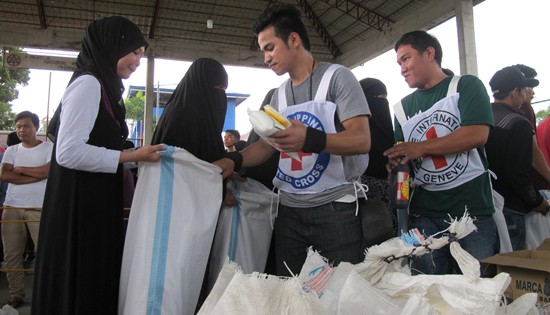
438, 173
315, 172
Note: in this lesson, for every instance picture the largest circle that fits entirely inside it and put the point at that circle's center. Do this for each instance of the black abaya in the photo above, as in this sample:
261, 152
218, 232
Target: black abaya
80, 250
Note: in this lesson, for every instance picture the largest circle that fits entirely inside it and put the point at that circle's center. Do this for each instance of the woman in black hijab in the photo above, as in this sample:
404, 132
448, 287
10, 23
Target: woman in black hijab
81, 231
194, 115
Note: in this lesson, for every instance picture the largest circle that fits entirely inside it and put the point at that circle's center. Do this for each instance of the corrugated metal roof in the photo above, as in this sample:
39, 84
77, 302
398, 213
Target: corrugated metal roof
177, 29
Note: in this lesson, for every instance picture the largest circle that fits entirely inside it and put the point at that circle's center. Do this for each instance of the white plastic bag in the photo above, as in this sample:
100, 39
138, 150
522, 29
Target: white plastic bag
8, 310
537, 228
265, 123
500, 221
170, 232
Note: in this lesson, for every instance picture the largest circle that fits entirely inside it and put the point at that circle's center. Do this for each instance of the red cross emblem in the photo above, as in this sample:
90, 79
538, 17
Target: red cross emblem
295, 165
438, 160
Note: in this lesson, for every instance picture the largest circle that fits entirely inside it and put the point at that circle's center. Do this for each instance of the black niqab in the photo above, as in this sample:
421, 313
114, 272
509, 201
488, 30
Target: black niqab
194, 115
105, 42
381, 128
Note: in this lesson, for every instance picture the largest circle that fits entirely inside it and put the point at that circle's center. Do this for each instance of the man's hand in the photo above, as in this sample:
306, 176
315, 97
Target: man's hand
290, 139
390, 165
229, 200
404, 152
542, 208
227, 166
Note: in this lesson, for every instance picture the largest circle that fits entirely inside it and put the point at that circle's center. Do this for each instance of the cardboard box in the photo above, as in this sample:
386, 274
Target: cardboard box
530, 272
545, 245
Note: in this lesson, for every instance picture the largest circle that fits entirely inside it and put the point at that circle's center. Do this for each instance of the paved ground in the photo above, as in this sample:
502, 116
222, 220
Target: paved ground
25, 308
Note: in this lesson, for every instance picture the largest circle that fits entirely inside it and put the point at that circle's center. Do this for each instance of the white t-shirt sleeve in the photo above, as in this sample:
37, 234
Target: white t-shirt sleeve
78, 114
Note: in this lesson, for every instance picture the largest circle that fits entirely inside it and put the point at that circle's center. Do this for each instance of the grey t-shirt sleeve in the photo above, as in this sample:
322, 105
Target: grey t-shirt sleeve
347, 94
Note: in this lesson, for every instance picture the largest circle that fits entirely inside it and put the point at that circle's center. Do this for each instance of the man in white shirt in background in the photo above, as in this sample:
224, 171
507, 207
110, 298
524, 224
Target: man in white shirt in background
25, 167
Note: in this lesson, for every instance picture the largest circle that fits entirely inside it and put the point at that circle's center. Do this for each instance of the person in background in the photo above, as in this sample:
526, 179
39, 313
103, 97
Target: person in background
25, 167
445, 117
377, 228
540, 172
318, 200
231, 138
77, 269
11, 139
543, 138
509, 151
381, 130
240, 145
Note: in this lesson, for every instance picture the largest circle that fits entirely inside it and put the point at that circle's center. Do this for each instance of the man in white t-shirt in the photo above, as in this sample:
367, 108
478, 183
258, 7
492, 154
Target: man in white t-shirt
25, 167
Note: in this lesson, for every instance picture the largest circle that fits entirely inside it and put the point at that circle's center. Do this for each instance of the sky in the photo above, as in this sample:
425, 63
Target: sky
508, 32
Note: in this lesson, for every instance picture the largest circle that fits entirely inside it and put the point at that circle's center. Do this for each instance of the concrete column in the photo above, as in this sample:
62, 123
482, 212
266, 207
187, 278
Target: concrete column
464, 10
149, 99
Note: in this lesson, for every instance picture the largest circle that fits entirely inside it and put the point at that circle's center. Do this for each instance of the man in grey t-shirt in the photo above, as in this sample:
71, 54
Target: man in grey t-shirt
330, 132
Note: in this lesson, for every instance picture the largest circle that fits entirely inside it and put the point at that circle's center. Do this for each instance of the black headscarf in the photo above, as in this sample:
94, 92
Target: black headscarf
194, 115
105, 42
381, 128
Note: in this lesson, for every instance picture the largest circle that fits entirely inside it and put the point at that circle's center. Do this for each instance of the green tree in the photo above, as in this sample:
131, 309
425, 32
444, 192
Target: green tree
135, 106
9, 79
542, 114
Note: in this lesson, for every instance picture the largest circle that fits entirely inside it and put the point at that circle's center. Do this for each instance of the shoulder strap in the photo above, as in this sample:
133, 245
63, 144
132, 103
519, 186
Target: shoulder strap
281, 96
453, 85
400, 113
322, 91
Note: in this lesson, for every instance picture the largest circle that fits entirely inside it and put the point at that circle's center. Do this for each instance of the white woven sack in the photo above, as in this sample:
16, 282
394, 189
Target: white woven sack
225, 276
170, 232
358, 296
244, 232
333, 288
524, 305
315, 273
261, 294
448, 294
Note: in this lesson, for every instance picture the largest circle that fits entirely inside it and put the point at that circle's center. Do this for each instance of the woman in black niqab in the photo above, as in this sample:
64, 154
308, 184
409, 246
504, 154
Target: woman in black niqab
194, 115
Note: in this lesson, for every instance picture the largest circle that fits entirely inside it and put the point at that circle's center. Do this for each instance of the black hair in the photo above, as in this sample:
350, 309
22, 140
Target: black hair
240, 145
448, 71
27, 114
501, 95
12, 139
421, 40
529, 72
285, 19
235, 133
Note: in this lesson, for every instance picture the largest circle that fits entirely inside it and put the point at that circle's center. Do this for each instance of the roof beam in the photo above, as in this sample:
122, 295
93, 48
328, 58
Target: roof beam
321, 30
433, 13
166, 49
154, 21
41, 13
360, 13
